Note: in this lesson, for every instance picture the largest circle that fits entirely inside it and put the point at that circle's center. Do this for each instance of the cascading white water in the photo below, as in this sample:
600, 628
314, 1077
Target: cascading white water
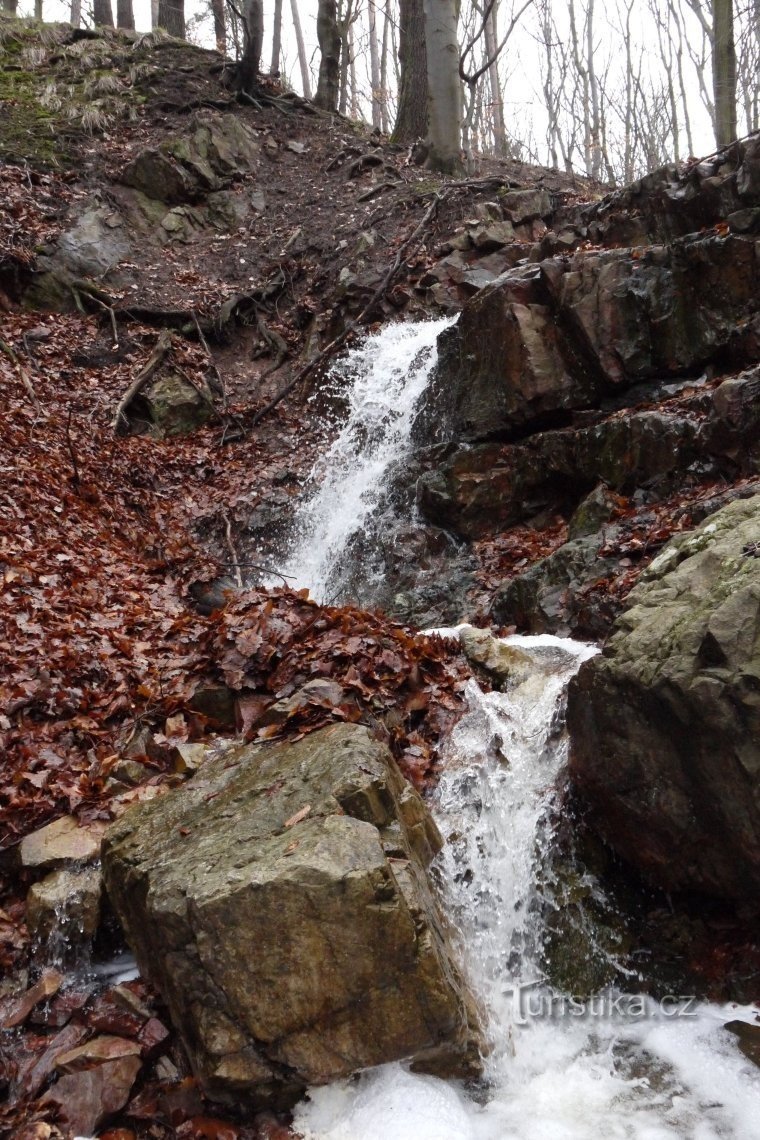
618, 1068
383, 379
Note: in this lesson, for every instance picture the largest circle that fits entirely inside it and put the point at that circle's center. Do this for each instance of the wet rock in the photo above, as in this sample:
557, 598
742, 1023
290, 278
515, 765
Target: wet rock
279, 901
65, 905
15, 1010
665, 725
748, 1039
60, 843
86, 1099
506, 665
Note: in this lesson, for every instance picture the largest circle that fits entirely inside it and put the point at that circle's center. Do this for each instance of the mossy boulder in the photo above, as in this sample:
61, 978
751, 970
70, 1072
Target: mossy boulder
665, 725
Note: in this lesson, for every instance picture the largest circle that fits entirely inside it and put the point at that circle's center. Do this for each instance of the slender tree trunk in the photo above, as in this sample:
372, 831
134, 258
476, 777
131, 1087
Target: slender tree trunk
102, 13
411, 117
10, 6
374, 65
355, 112
38, 9
444, 137
171, 16
384, 70
250, 64
302, 61
154, 13
328, 36
276, 38
494, 83
724, 71
220, 25
343, 31
125, 17
75, 13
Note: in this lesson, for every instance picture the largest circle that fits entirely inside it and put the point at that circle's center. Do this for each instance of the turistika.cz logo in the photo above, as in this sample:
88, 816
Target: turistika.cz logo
532, 1001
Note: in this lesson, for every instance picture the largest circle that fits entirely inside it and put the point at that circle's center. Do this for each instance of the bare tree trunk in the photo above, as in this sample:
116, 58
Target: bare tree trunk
384, 70
102, 13
302, 61
411, 117
374, 65
10, 6
171, 16
220, 25
125, 17
494, 83
328, 37
75, 13
343, 29
355, 112
724, 71
38, 9
154, 13
250, 64
444, 137
276, 38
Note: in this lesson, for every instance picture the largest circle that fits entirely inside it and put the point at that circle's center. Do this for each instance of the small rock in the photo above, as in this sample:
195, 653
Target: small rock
14, 1011
67, 903
85, 1099
59, 843
152, 1037
187, 758
495, 235
296, 147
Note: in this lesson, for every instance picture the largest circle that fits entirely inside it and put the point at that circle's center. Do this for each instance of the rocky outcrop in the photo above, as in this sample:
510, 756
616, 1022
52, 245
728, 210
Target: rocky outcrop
549, 338
280, 902
665, 725
212, 150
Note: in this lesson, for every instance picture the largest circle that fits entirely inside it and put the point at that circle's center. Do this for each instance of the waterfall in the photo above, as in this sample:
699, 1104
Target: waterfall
621, 1067
382, 381
618, 1066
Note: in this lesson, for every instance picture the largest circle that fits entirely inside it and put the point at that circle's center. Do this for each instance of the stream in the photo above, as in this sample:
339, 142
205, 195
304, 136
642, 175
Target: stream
619, 1066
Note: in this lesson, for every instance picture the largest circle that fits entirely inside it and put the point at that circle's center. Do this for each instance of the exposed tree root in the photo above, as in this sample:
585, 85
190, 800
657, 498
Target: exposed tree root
155, 360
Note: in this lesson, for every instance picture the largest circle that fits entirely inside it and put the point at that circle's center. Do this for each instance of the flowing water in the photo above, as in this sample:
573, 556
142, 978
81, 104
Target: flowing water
382, 381
617, 1067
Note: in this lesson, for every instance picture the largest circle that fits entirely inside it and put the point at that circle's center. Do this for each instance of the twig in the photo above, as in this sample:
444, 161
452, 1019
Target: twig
232, 550
156, 358
268, 570
23, 374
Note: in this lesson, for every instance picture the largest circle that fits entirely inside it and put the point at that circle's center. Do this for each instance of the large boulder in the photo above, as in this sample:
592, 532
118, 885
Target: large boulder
280, 902
665, 724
